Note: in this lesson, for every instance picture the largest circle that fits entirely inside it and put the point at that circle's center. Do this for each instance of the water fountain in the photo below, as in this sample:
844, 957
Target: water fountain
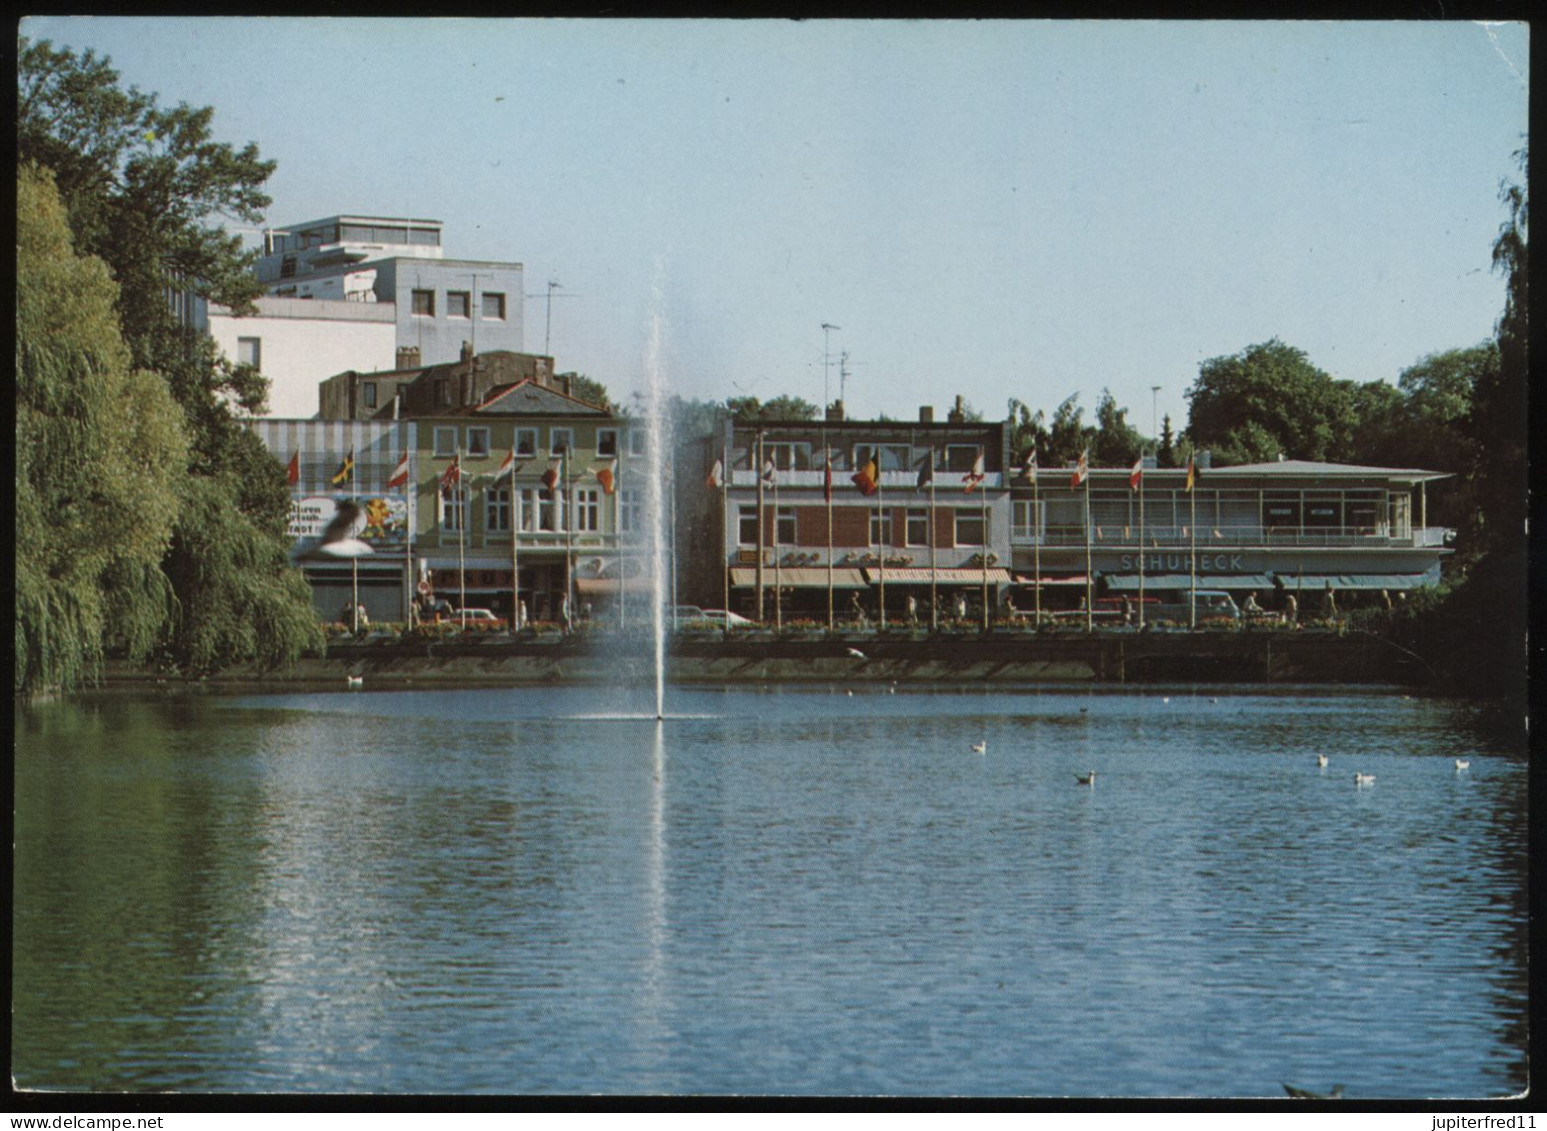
658, 432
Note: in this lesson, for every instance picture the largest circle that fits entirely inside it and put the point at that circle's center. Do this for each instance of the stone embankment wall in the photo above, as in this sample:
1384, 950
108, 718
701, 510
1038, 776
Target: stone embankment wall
1162, 657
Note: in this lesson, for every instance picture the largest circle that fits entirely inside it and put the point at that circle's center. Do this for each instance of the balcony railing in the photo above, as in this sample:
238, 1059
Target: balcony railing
1259, 537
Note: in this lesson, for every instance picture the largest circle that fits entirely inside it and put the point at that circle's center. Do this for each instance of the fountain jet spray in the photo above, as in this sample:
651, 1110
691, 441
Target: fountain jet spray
658, 433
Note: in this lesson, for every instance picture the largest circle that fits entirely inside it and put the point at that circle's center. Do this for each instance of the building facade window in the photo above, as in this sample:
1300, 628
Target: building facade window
606, 441
477, 441
497, 510
971, 530
560, 440
588, 509
368, 394
881, 527
526, 442
746, 526
445, 441
918, 526
636, 441
249, 351
453, 509
550, 511
459, 304
528, 504
961, 457
424, 303
443, 393
494, 306
628, 510
784, 526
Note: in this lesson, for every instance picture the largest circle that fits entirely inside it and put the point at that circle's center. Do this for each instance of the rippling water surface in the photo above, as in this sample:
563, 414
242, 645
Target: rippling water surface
786, 891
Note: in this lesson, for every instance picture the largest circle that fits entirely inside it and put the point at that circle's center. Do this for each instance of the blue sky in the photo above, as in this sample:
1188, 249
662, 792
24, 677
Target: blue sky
991, 209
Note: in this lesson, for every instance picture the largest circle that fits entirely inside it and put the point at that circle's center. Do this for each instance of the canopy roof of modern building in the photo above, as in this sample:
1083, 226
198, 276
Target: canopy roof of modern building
1280, 471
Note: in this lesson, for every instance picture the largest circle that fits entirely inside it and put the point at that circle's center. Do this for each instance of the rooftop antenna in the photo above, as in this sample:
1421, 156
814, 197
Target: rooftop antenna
553, 285
826, 365
843, 379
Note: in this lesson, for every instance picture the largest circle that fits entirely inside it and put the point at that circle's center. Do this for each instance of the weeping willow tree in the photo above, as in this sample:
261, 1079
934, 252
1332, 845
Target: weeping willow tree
100, 450
148, 189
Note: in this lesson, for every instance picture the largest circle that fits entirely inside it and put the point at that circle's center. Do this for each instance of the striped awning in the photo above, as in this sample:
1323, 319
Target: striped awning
1318, 582
911, 575
1071, 579
798, 577
1125, 581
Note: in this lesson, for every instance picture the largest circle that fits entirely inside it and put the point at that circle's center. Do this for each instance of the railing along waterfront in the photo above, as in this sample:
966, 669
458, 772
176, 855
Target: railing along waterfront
1253, 536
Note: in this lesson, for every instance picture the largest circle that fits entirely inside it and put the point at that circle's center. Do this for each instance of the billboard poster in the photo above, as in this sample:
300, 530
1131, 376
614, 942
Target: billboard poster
385, 517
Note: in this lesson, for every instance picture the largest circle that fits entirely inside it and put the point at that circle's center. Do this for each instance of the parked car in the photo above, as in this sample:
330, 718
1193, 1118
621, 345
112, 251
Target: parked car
480, 618
685, 613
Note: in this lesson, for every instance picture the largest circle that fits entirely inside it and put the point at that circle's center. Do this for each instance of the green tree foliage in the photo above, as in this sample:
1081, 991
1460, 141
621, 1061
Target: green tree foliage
1068, 435
751, 410
145, 189
1269, 400
590, 390
1165, 453
1497, 423
100, 455
1116, 443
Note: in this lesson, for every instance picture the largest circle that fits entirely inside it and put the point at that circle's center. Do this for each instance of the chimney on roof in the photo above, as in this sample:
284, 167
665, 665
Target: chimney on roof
567, 384
408, 357
835, 413
926, 414
957, 415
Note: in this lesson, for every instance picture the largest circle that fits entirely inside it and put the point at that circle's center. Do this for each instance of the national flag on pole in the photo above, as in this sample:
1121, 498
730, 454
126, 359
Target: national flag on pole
346, 470
453, 474
1082, 469
827, 479
716, 477
1029, 465
508, 466
1192, 472
550, 478
927, 471
769, 478
604, 474
1136, 476
293, 472
974, 477
400, 473
868, 477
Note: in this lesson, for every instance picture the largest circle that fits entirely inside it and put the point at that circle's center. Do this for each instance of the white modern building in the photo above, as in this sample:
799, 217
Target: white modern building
363, 293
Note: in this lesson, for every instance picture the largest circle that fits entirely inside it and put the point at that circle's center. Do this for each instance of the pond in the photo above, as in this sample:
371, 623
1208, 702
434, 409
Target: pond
797, 890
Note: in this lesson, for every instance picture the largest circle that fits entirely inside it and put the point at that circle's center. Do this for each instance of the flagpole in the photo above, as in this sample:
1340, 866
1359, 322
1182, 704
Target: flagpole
725, 525
778, 566
567, 500
408, 560
758, 465
617, 538
827, 492
1141, 544
515, 544
1192, 556
934, 584
983, 492
1090, 579
461, 540
1036, 537
881, 511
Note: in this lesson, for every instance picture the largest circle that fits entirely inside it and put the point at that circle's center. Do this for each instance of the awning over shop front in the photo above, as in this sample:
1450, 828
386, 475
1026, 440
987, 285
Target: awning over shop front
1074, 579
1318, 581
911, 575
1125, 581
798, 577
